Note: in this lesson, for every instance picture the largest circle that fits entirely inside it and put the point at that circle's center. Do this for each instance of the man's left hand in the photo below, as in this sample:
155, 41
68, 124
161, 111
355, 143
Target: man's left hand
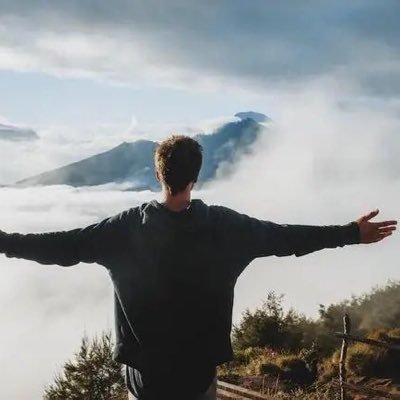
371, 232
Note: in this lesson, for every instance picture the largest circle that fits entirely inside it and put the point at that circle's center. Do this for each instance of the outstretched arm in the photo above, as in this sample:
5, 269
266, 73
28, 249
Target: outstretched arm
94, 243
265, 238
259, 238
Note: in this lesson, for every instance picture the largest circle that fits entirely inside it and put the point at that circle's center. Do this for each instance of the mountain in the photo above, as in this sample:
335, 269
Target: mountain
14, 133
133, 163
255, 116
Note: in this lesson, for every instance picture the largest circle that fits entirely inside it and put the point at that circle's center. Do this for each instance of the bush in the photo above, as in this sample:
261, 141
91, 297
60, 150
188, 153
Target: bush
329, 368
365, 360
270, 369
255, 365
258, 359
362, 360
249, 354
287, 366
295, 369
269, 326
91, 374
371, 361
262, 336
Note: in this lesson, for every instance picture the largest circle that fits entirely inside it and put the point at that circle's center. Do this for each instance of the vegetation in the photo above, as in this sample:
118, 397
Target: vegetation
91, 375
269, 326
368, 361
282, 353
302, 353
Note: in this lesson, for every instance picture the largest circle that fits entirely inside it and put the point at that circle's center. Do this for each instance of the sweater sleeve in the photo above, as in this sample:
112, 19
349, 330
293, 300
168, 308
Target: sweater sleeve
259, 238
96, 243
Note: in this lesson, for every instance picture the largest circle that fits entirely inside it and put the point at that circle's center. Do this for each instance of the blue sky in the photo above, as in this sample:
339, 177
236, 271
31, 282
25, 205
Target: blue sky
42, 99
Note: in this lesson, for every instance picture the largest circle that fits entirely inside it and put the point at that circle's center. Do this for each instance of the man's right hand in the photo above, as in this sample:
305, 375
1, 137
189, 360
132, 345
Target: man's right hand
371, 232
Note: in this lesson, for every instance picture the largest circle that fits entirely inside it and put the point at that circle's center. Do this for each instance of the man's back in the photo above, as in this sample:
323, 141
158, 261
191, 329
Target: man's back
174, 289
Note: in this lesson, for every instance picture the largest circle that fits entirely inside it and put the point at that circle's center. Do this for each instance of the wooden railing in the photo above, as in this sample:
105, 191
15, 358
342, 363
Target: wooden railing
227, 391
346, 386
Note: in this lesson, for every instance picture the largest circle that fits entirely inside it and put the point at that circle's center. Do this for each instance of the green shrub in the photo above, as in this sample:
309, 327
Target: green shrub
366, 360
371, 361
255, 366
270, 369
362, 360
329, 368
295, 369
91, 374
270, 326
253, 352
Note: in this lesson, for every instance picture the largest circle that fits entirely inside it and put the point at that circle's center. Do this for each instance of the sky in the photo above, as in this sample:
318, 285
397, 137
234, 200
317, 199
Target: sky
87, 75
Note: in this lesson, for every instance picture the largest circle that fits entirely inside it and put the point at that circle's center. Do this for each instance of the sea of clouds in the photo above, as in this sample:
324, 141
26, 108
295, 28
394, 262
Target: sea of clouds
322, 161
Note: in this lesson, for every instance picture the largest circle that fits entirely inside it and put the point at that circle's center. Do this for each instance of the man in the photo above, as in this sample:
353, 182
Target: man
174, 265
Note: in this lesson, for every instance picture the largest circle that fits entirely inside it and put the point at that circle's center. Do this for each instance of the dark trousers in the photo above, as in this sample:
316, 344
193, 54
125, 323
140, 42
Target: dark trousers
173, 385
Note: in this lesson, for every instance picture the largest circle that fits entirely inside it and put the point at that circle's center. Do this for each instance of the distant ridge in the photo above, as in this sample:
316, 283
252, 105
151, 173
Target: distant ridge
133, 162
15, 133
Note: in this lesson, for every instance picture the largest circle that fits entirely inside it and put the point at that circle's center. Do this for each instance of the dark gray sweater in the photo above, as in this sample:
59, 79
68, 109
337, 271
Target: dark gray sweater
174, 273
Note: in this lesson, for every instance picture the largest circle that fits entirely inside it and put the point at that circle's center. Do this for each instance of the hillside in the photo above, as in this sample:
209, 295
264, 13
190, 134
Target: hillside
293, 357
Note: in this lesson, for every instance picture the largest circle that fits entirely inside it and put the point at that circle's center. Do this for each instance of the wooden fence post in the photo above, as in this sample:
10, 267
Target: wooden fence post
343, 355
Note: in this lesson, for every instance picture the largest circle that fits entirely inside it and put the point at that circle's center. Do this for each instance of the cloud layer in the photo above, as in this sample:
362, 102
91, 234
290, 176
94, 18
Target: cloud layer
324, 163
208, 43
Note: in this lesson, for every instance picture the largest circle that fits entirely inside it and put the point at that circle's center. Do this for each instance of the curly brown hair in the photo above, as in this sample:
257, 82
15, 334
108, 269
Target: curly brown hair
178, 161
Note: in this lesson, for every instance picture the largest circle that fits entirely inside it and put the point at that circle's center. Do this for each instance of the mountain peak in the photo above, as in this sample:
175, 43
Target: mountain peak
255, 116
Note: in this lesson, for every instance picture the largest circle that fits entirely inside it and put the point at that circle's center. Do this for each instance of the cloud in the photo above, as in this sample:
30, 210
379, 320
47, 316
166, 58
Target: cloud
205, 44
16, 134
58, 146
38, 304
324, 162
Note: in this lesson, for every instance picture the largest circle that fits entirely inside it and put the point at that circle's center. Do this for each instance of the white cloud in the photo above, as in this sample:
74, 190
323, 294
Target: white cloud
4, 120
38, 304
205, 46
325, 162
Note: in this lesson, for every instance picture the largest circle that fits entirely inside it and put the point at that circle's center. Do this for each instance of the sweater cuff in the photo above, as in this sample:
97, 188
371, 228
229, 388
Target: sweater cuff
3, 241
351, 233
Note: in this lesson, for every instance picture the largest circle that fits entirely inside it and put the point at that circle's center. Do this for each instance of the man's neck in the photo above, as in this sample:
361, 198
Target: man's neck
179, 202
